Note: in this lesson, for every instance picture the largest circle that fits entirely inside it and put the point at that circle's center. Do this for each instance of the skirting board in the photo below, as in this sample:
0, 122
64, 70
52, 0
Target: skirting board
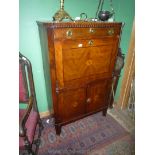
46, 114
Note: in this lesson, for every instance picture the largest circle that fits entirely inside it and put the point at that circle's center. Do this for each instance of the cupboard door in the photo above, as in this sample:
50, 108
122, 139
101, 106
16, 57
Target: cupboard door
71, 104
98, 95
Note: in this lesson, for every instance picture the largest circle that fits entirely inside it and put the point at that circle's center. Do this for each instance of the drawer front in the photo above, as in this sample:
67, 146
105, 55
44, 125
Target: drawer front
83, 43
74, 33
71, 104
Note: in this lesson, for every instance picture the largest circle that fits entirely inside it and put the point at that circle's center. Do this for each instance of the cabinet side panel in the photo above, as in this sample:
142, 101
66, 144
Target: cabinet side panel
51, 54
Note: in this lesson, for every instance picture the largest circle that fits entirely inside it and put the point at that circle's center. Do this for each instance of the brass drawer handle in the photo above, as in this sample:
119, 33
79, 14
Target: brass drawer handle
80, 45
69, 33
111, 32
90, 42
91, 30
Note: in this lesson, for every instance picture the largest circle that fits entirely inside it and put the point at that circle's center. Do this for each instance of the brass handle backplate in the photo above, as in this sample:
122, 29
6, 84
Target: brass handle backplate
91, 30
69, 33
111, 31
90, 42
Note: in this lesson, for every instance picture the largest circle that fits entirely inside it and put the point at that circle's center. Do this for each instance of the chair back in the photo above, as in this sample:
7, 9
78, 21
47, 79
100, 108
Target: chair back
26, 83
23, 87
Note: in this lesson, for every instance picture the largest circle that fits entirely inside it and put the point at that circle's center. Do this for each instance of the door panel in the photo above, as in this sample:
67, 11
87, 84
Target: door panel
71, 104
97, 95
85, 62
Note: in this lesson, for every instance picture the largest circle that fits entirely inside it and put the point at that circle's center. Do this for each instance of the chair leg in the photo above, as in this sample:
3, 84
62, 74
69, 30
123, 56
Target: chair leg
37, 141
28, 147
41, 127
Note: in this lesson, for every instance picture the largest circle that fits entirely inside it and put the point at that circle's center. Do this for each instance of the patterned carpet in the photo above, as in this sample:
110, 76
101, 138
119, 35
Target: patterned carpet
125, 145
93, 135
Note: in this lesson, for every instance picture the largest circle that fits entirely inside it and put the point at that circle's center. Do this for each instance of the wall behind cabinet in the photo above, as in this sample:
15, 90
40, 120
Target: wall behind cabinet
31, 11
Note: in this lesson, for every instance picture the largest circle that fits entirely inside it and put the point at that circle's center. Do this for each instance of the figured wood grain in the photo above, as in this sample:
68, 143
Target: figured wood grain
81, 67
82, 62
98, 95
71, 104
59, 63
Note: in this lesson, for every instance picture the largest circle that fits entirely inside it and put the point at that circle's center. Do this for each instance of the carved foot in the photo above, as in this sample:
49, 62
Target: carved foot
58, 129
104, 112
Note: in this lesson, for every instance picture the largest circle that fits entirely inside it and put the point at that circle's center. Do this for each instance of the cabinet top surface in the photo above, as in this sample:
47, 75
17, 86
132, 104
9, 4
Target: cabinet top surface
78, 24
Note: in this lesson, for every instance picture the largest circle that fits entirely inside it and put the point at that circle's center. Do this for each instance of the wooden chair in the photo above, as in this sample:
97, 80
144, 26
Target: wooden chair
28, 118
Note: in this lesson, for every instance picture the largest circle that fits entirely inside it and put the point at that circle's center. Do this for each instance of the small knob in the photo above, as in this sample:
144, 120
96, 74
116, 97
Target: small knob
111, 31
90, 42
88, 100
91, 30
69, 33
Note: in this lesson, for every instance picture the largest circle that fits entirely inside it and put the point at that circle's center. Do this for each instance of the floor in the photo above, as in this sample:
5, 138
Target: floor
125, 146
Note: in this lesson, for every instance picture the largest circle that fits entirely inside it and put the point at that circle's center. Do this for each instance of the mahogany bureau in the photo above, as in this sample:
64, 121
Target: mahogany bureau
81, 58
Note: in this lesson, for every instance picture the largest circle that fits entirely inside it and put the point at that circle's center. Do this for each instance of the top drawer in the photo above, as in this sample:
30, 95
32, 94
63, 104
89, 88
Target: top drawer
74, 33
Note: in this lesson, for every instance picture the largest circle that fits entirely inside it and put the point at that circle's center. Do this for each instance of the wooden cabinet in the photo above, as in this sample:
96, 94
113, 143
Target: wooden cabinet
81, 58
